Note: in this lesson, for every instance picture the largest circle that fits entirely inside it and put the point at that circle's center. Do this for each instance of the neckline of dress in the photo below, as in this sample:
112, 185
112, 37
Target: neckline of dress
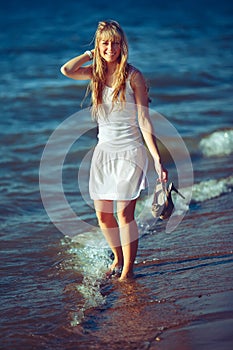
109, 87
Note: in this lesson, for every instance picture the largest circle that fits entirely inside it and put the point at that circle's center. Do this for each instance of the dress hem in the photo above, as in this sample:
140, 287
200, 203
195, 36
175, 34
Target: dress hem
113, 197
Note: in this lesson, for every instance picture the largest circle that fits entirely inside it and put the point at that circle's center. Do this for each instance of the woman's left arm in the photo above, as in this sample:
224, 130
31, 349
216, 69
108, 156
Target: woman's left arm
141, 99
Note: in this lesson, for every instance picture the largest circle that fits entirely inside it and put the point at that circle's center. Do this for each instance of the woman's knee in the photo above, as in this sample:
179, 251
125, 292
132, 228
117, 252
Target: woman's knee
125, 218
125, 213
104, 213
106, 219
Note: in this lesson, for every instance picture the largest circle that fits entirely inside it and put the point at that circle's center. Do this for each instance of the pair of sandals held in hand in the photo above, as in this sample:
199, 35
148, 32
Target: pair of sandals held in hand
162, 205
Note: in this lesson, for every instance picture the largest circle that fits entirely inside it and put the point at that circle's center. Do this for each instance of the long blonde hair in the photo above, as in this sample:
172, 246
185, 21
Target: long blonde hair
109, 30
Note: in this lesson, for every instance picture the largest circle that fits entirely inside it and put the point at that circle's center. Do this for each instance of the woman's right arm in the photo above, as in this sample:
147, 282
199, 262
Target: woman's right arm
73, 68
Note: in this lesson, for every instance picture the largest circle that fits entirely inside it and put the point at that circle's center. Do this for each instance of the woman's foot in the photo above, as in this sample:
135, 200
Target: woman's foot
114, 272
126, 276
115, 269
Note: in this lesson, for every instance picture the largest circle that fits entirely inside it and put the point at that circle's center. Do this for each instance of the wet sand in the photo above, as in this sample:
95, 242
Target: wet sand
212, 328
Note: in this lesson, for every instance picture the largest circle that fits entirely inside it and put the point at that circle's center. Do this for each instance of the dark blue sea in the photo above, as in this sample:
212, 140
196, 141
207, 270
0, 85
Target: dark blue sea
54, 294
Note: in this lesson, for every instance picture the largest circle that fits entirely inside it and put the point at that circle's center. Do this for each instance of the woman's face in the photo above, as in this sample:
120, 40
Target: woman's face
109, 49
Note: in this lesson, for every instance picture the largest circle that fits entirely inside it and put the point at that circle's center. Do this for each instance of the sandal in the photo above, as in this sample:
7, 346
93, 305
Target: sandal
162, 206
159, 199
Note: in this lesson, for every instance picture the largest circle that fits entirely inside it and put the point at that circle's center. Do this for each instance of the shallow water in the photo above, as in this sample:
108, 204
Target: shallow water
54, 293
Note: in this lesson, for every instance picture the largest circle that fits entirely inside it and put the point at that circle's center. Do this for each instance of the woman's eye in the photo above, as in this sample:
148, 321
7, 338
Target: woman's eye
114, 43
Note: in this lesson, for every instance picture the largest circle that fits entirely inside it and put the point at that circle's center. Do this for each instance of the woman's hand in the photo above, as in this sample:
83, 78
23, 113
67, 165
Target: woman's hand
162, 172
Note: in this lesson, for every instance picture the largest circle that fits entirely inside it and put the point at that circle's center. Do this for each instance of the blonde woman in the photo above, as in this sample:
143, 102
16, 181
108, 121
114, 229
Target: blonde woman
119, 163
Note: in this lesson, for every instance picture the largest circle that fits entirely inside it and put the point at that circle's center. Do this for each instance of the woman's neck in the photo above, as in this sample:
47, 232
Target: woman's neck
111, 68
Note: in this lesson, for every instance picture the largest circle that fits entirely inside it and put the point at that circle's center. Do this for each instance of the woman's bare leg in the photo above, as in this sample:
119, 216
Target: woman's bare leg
109, 227
129, 236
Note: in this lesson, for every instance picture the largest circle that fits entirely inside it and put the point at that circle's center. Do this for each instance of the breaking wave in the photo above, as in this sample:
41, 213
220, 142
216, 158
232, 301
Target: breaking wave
217, 144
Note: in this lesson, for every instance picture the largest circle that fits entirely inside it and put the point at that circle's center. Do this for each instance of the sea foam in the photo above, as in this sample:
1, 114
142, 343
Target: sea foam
217, 144
210, 189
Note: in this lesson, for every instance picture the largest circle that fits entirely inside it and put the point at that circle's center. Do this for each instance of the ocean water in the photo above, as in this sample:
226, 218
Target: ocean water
54, 294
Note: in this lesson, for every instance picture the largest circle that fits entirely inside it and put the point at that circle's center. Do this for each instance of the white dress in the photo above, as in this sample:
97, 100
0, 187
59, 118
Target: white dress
119, 162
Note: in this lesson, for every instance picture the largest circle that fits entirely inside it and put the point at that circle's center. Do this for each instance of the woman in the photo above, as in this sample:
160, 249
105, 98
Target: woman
119, 163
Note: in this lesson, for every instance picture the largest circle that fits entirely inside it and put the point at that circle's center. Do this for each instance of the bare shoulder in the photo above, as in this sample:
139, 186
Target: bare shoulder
139, 87
136, 77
